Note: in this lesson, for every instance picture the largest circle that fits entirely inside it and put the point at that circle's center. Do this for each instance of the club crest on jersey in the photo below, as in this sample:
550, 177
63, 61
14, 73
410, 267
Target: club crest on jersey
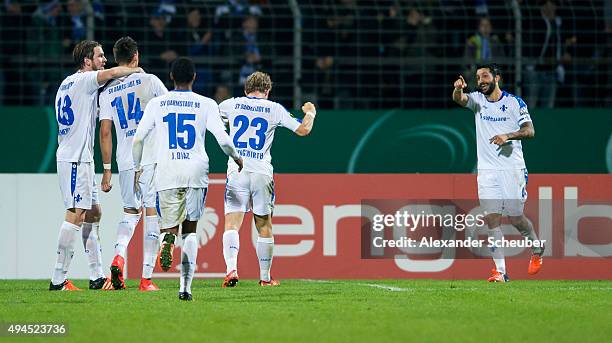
503, 108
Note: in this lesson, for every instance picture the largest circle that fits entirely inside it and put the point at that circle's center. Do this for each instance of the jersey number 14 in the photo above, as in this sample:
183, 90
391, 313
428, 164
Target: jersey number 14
134, 111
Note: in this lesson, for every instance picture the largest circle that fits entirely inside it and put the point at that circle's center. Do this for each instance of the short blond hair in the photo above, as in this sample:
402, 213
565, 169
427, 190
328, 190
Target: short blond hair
258, 81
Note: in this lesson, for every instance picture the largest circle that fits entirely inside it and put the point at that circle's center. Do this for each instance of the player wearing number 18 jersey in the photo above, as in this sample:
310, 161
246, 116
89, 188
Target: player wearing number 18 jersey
252, 121
180, 120
76, 112
122, 102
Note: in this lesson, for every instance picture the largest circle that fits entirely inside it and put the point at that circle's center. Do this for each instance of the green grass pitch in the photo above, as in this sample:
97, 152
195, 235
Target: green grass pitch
320, 311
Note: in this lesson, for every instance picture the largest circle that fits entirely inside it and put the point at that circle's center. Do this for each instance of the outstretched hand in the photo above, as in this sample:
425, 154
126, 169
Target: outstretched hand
460, 83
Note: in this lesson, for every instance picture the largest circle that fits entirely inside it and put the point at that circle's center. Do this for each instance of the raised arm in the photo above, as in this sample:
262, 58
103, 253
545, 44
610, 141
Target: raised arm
116, 72
106, 147
308, 120
458, 95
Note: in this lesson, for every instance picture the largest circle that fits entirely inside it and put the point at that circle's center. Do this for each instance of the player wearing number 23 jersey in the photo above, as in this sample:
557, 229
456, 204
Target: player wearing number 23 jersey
252, 120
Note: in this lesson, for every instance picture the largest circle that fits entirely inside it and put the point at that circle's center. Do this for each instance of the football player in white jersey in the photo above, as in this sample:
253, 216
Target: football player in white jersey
180, 120
252, 120
76, 112
502, 121
122, 102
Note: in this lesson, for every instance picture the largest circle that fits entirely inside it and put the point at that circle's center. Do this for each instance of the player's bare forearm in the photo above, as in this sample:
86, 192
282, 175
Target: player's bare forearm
106, 141
459, 97
310, 112
106, 147
526, 132
116, 72
306, 126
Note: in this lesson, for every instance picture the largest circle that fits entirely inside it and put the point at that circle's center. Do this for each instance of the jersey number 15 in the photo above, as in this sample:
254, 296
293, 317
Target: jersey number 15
178, 124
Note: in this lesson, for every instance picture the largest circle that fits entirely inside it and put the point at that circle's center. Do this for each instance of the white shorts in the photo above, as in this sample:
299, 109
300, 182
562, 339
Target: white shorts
246, 191
176, 205
146, 196
78, 186
503, 191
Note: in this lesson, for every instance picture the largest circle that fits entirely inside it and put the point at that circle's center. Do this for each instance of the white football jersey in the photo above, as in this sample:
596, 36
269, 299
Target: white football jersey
497, 117
252, 122
180, 120
76, 110
123, 101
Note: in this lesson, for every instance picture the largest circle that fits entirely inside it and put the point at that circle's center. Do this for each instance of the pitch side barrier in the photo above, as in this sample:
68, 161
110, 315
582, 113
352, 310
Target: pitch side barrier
324, 227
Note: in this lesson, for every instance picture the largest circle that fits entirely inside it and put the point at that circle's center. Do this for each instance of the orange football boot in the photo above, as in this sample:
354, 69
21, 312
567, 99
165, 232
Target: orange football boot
498, 277
108, 285
535, 263
64, 286
117, 272
231, 279
146, 285
270, 283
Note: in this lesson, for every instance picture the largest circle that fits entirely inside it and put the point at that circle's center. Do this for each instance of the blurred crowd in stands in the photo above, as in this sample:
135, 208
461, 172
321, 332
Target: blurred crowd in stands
354, 53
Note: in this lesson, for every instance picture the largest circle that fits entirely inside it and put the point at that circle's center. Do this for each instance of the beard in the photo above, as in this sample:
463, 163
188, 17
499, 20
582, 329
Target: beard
490, 87
94, 67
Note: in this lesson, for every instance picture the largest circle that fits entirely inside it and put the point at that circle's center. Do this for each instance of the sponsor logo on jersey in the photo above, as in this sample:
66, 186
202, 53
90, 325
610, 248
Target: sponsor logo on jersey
492, 118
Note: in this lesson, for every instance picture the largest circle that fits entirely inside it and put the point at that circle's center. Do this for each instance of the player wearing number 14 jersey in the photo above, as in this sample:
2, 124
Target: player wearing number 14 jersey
252, 121
180, 120
122, 102
76, 112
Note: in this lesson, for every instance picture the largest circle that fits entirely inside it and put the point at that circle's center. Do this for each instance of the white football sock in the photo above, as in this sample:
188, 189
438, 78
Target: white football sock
150, 246
265, 251
65, 251
231, 246
188, 261
498, 253
93, 249
125, 230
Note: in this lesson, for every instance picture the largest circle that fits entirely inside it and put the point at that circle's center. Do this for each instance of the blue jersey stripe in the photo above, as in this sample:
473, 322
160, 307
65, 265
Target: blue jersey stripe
73, 178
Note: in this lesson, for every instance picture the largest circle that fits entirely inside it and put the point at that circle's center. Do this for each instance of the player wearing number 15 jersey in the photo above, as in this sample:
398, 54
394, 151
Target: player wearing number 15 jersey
180, 120
76, 112
122, 102
252, 121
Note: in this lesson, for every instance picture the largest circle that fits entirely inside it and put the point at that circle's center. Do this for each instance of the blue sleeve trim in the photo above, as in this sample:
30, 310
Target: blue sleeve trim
520, 101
